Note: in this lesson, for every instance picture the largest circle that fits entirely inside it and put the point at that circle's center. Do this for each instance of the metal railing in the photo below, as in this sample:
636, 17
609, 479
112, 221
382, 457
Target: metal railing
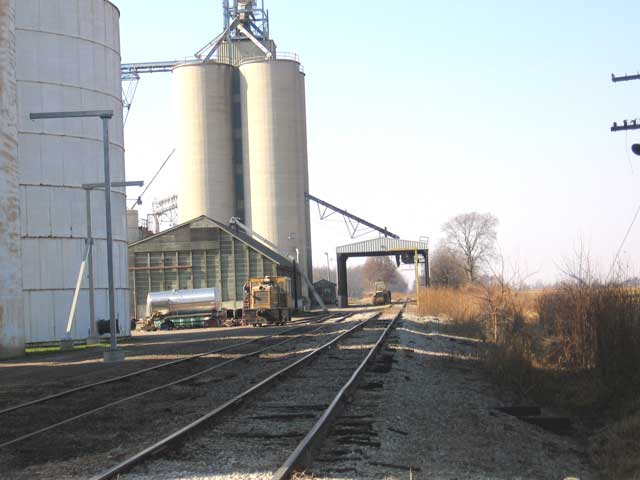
278, 56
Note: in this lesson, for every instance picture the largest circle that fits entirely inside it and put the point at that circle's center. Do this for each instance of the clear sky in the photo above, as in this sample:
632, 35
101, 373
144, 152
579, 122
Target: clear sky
419, 111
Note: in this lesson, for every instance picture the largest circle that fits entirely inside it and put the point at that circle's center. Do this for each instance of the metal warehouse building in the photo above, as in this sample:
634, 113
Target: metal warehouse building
201, 253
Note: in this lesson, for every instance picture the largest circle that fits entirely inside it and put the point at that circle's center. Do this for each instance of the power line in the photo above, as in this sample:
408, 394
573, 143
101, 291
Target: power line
626, 237
139, 199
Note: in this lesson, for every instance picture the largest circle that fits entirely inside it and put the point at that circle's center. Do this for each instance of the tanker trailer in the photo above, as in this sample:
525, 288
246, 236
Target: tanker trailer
179, 309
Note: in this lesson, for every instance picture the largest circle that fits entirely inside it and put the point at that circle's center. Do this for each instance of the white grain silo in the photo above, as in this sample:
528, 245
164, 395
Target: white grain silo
203, 105
68, 58
304, 184
11, 322
275, 154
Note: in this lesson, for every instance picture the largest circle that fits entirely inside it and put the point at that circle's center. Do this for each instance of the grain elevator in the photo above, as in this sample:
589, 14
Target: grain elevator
241, 117
241, 123
66, 56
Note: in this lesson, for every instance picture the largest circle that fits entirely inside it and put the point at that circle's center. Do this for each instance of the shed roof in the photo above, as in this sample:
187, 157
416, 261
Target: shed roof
382, 245
242, 236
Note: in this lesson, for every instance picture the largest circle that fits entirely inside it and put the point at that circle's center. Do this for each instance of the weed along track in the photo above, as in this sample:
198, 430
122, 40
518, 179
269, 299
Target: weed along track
258, 431
78, 445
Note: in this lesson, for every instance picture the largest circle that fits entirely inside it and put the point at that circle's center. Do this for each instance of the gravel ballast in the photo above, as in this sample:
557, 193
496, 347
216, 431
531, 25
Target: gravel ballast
432, 416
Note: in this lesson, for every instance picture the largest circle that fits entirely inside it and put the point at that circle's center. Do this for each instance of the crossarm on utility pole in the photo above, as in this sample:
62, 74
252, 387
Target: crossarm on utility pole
624, 78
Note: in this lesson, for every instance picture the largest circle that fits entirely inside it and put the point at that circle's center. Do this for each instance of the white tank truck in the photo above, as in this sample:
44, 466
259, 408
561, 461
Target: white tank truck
199, 308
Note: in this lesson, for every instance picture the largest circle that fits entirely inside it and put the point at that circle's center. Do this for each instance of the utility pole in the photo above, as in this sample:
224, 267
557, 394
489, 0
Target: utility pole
627, 124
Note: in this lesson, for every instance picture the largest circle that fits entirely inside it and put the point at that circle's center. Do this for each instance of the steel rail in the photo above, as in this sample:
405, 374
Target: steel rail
224, 408
158, 388
150, 369
301, 455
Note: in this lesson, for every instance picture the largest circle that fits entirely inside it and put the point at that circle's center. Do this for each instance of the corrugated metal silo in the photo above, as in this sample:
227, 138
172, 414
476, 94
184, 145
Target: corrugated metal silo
68, 58
204, 106
275, 154
11, 309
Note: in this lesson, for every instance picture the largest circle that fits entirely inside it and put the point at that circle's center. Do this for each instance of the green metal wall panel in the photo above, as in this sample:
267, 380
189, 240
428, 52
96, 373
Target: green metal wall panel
170, 276
185, 275
227, 267
212, 257
198, 270
241, 258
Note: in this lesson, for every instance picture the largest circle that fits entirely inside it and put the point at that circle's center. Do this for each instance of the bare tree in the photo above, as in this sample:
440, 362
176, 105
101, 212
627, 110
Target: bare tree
447, 267
473, 235
382, 268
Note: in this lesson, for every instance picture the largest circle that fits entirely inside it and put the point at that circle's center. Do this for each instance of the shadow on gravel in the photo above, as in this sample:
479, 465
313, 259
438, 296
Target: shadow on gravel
28, 378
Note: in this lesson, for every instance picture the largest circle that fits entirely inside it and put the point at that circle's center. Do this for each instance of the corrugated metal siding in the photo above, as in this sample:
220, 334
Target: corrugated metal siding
68, 58
11, 303
382, 245
195, 258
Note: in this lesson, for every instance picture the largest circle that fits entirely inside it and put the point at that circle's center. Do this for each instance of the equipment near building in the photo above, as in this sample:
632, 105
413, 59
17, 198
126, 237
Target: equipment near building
267, 301
178, 309
381, 296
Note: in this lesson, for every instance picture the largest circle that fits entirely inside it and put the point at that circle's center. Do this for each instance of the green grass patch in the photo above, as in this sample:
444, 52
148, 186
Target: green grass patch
33, 351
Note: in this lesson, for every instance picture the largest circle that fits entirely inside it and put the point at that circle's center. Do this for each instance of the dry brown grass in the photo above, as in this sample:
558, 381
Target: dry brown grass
576, 348
615, 449
485, 310
459, 305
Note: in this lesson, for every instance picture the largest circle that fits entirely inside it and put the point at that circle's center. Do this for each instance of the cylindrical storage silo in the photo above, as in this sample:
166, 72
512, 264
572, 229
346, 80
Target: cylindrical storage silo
305, 211
204, 113
11, 309
275, 154
68, 59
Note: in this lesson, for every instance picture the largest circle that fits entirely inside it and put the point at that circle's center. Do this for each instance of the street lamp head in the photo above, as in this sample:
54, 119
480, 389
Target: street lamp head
635, 148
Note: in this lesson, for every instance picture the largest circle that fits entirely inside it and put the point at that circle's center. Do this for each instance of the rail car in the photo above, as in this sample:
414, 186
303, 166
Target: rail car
267, 301
179, 309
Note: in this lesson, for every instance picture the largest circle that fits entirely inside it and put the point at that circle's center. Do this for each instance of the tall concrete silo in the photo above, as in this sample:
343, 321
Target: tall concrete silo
204, 99
304, 184
11, 322
275, 154
68, 58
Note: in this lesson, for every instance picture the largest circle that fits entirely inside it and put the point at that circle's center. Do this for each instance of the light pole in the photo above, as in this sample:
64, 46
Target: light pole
88, 187
113, 355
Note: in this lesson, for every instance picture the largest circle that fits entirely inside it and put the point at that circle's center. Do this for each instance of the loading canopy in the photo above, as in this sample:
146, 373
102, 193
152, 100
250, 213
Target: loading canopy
379, 247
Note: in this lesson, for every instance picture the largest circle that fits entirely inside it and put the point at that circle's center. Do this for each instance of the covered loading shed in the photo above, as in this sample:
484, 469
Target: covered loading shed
404, 250
201, 253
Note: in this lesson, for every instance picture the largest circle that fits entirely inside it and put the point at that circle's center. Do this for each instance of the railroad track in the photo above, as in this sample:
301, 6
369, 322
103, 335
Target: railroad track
186, 398
191, 357
102, 373
45, 414
287, 413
